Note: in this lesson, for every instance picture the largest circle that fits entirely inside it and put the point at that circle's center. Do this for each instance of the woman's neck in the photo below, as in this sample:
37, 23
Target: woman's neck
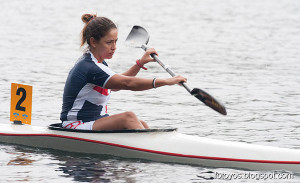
99, 59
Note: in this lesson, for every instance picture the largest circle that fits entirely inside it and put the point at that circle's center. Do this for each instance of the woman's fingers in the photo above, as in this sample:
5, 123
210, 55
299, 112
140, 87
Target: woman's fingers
176, 80
146, 57
151, 51
181, 78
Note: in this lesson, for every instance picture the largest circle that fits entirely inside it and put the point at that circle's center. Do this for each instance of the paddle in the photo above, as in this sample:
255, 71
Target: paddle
139, 37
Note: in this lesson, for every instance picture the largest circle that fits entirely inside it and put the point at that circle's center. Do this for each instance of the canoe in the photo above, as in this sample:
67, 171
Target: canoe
161, 145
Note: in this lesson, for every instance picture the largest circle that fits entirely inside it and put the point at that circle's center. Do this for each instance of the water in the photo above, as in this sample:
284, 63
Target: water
245, 53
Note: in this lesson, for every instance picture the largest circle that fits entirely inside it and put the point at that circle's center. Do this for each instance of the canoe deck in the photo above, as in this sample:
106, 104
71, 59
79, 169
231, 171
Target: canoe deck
57, 126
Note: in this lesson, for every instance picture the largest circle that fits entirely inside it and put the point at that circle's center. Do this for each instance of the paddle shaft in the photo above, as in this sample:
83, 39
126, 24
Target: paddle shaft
138, 37
166, 68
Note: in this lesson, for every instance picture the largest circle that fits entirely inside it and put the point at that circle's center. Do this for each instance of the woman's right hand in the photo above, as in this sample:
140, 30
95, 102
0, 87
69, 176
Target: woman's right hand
176, 80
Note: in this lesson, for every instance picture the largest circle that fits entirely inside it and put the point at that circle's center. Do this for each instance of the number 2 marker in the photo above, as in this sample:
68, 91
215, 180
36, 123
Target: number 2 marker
21, 103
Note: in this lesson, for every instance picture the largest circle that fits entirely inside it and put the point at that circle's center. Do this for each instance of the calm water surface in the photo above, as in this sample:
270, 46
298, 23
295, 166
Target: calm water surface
245, 53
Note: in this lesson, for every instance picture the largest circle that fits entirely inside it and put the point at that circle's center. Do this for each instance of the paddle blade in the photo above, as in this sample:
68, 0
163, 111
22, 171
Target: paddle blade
137, 37
209, 100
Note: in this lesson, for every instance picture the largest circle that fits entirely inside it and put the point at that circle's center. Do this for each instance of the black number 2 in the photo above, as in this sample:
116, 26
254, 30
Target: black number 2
18, 106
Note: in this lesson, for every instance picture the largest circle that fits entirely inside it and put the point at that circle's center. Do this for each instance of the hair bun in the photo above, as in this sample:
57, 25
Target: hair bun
87, 17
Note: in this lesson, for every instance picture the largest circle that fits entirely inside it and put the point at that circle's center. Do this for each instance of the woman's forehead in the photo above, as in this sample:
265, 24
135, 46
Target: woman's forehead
112, 34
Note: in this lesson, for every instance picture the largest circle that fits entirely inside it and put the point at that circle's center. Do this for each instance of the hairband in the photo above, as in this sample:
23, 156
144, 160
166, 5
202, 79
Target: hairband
92, 18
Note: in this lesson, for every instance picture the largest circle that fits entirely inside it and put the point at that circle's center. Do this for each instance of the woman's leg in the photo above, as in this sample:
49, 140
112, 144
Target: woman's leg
144, 124
126, 120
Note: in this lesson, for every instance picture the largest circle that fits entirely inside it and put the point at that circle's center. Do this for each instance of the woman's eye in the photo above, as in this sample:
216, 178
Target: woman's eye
111, 42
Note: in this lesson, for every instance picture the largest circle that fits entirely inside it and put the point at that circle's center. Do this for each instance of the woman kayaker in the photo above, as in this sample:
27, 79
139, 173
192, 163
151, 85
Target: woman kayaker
90, 81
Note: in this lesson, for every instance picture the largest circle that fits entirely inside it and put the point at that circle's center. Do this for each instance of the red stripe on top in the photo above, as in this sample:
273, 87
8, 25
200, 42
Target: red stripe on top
103, 91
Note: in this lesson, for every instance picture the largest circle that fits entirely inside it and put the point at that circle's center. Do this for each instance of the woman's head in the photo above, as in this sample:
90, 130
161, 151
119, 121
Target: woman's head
95, 27
101, 35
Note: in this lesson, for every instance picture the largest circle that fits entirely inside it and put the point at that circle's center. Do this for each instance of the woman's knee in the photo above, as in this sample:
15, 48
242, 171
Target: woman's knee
130, 115
131, 121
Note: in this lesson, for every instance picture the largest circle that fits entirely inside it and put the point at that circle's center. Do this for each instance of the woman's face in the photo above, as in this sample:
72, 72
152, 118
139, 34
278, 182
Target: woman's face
106, 46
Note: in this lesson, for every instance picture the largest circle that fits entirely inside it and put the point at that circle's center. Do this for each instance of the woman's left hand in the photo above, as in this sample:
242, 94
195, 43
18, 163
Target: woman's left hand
146, 57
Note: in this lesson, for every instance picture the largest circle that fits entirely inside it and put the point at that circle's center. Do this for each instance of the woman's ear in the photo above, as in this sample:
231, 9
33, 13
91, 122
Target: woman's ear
93, 42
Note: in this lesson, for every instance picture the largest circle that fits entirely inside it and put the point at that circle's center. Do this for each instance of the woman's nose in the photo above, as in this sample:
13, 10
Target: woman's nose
114, 46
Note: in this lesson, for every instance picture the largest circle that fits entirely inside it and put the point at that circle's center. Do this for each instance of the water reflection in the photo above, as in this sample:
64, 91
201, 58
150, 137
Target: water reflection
33, 165
84, 170
95, 169
21, 159
77, 167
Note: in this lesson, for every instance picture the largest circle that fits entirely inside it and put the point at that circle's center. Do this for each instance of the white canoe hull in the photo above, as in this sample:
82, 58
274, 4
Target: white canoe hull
172, 147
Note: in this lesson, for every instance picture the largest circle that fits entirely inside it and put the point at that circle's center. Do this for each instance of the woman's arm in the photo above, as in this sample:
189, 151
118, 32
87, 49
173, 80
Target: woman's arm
134, 70
120, 82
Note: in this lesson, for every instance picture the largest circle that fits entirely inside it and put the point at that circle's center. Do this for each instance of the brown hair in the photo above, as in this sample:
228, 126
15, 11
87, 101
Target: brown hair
95, 27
